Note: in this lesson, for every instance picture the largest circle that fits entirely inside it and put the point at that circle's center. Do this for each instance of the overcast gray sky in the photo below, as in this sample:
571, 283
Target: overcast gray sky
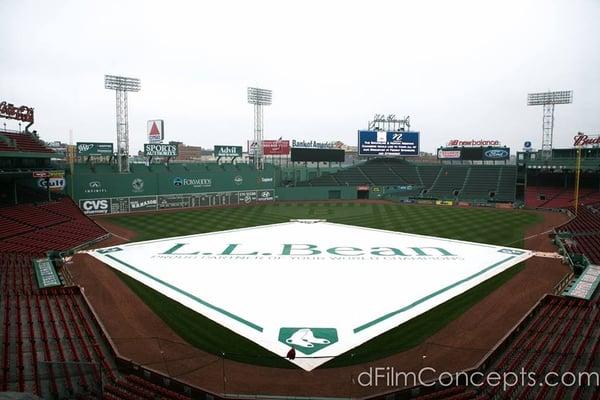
460, 69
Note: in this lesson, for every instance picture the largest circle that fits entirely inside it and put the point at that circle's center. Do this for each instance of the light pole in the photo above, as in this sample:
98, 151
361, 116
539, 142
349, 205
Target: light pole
259, 98
121, 85
548, 100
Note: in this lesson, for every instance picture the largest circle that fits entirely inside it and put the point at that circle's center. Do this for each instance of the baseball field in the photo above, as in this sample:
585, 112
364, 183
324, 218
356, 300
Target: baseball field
491, 226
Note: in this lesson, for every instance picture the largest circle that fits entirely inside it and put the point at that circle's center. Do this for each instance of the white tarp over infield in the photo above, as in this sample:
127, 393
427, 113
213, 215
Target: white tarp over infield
323, 288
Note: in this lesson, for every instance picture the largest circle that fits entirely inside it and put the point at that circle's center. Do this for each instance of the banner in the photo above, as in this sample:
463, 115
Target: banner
381, 143
94, 149
161, 150
227, 151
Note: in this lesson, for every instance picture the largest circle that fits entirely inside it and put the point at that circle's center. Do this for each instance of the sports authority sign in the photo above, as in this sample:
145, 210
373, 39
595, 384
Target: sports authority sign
156, 130
21, 113
399, 276
160, 150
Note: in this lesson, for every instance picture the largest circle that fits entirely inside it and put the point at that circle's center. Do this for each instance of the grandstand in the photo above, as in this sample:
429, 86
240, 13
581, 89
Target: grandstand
467, 183
54, 345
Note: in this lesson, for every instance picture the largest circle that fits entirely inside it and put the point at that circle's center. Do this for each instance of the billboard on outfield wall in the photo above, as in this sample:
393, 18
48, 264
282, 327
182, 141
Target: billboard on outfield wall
160, 150
118, 205
382, 143
227, 151
94, 149
271, 147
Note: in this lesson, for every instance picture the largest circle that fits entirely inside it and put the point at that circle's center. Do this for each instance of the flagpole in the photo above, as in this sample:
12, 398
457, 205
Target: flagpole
577, 171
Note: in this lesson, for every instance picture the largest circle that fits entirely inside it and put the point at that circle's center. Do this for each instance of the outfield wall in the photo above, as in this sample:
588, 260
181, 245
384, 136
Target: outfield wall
108, 193
316, 193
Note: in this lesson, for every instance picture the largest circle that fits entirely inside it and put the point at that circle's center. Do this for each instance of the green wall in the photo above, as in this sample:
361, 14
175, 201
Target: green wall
314, 193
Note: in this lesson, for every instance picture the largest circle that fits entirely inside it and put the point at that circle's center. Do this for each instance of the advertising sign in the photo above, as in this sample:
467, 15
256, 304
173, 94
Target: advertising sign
95, 206
22, 113
276, 147
147, 203
54, 179
474, 142
94, 149
585, 140
271, 147
381, 143
160, 150
165, 202
317, 155
496, 153
443, 154
313, 144
156, 130
227, 151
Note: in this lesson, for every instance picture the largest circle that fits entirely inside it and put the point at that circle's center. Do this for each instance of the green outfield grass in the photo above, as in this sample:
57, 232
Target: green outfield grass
499, 227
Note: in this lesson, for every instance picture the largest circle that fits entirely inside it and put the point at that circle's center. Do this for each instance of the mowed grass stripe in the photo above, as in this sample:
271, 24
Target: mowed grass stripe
498, 227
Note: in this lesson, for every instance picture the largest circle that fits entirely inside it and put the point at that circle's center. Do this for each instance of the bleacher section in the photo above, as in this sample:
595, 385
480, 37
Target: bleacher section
476, 183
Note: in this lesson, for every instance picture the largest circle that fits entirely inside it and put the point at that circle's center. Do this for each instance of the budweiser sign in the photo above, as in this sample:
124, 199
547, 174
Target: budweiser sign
585, 140
22, 113
473, 142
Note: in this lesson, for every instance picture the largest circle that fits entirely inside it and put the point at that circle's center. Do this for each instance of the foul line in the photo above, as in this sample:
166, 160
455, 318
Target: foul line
189, 295
429, 296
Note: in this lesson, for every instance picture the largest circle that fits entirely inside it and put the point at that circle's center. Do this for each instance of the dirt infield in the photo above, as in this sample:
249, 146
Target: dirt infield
141, 336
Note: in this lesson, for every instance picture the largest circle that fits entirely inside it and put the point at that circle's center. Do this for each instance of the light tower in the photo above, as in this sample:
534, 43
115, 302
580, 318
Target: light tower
260, 98
121, 85
548, 100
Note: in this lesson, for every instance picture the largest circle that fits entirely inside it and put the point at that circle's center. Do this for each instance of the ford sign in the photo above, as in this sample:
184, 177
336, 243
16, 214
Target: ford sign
496, 154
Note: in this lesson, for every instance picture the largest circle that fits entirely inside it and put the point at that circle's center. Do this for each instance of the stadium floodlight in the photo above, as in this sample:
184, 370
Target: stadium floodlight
121, 85
259, 98
548, 100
